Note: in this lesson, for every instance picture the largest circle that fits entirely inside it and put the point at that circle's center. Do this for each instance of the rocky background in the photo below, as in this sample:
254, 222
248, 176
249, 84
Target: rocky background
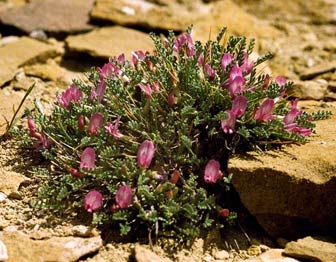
290, 193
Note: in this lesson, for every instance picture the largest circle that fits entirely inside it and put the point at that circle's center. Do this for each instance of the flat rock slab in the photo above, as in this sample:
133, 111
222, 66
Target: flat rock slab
61, 16
169, 15
238, 22
272, 255
9, 101
312, 249
23, 51
22, 248
317, 70
144, 254
10, 181
289, 191
106, 42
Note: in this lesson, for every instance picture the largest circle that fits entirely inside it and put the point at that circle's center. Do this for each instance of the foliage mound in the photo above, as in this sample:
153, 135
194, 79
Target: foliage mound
145, 142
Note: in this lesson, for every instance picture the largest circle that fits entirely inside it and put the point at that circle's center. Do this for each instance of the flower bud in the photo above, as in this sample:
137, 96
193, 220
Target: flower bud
124, 196
224, 212
96, 122
93, 201
81, 122
212, 171
88, 158
145, 153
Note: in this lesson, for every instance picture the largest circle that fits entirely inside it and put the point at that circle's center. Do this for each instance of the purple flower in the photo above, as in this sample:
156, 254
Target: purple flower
200, 60
138, 56
294, 128
236, 81
113, 129
124, 196
81, 122
108, 70
99, 91
264, 112
32, 128
280, 80
246, 67
239, 105
93, 201
267, 81
212, 171
145, 153
43, 142
72, 94
147, 89
96, 121
88, 158
226, 60
120, 60
209, 71
293, 113
184, 40
228, 125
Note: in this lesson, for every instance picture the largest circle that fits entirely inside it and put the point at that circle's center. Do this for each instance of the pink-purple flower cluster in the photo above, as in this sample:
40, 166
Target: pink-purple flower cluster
71, 95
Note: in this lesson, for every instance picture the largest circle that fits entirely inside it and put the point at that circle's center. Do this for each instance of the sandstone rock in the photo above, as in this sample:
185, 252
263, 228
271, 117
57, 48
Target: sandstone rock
310, 90
144, 254
318, 70
239, 22
21, 52
312, 249
9, 101
10, 181
170, 15
109, 41
221, 254
272, 255
332, 86
284, 189
21, 248
3, 252
50, 71
8, 39
60, 16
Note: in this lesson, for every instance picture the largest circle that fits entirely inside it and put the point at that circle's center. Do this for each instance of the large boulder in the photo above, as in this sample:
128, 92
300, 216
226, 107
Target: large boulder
291, 192
21, 52
167, 15
106, 42
60, 16
22, 248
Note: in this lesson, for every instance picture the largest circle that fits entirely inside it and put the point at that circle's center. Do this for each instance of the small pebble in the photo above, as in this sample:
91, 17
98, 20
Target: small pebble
3, 197
3, 251
221, 254
81, 231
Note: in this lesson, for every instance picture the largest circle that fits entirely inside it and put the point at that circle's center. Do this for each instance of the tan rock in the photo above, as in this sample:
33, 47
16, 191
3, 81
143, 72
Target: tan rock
144, 254
109, 41
21, 248
284, 189
239, 22
9, 102
3, 251
50, 71
312, 249
21, 52
319, 69
310, 90
170, 15
60, 16
10, 181
272, 255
